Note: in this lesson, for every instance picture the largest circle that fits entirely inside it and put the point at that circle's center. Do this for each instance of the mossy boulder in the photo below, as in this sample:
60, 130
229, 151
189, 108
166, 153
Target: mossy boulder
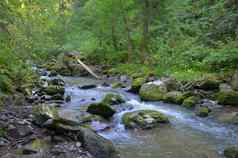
94, 143
231, 152
211, 83
50, 116
227, 117
234, 81
118, 85
144, 119
224, 87
113, 99
53, 90
43, 113
170, 83
227, 98
190, 102
153, 91
97, 145
101, 109
175, 97
203, 111
137, 83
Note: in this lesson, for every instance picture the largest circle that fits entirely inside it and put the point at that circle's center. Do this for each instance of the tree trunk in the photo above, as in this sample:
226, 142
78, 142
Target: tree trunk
128, 33
114, 38
145, 35
129, 40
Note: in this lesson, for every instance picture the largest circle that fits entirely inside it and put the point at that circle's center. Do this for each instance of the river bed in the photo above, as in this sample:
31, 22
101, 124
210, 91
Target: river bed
188, 136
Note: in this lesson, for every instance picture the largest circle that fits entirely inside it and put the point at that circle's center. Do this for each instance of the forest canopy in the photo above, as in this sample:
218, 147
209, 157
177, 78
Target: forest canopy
182, 38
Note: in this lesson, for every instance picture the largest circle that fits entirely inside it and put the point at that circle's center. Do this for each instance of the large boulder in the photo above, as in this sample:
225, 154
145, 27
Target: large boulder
227, 117
203, 111
97, 145
175, 97
92, 142
153, 91
101, 109
190, 102
144, 119
227, 98
53, 90
137, 83
231, 152
224, 87
48, 115
113, 99
170, 83
211, 83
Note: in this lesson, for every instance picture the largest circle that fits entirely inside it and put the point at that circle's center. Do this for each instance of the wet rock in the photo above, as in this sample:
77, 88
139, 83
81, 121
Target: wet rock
153, 91
57, 97
43, 113
91, 141
234, 81
105, 84
68, 98
46, 97
228, 117
224, 87
3, 142
136, 84
144, 119
190, 102
53, 73
231, 152
203, 111
53, 90
101, 109
208, 84
113, 99
97, 145
170, 83
118, 85
56, 82
175, 97
227, 98
124, 78
209, 104
89, 86
25, 151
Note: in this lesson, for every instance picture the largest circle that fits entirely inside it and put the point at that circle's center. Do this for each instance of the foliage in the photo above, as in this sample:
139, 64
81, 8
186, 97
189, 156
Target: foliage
186, 39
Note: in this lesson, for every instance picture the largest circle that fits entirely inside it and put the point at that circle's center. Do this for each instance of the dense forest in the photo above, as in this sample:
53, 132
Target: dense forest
191, 42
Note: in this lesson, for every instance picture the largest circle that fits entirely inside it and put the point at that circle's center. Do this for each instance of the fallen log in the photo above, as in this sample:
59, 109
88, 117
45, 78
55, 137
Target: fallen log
87, 68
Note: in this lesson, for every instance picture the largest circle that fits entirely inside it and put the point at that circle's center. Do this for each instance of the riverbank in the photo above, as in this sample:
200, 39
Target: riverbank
46, 122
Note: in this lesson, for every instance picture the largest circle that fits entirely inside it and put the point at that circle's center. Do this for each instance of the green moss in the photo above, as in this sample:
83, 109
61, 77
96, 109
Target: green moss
203, 112
6, 84
38, 144
137, 83
51, 90
231, 152
138, 119
90, 118
190, 102
152, 92
112, 99
118, 85
227, 98
3, 132
175, 97
101, 109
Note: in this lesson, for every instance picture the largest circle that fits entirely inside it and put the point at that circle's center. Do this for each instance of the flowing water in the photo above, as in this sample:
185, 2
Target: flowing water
187, 137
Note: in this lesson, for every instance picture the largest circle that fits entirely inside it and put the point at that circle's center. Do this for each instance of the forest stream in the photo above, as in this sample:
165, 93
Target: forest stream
188, 136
